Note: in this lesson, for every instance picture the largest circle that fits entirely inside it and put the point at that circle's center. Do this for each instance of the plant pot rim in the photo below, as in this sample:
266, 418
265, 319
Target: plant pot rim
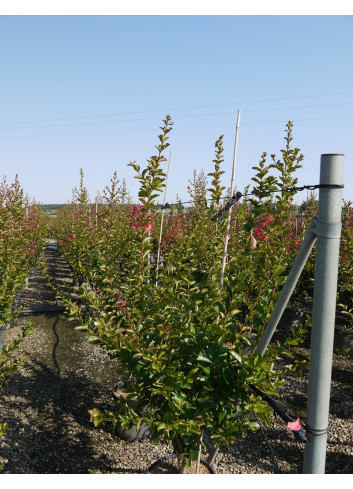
173, 456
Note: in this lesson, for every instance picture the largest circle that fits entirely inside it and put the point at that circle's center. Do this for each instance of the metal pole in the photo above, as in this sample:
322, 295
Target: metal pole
324, 310
231, 195
292, 279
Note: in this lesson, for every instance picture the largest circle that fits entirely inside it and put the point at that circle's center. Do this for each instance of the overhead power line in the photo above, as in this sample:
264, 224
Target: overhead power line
175, 117
175, 128
176, 108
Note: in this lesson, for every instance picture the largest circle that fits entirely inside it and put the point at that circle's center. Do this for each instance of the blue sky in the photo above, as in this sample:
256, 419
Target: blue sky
91, 92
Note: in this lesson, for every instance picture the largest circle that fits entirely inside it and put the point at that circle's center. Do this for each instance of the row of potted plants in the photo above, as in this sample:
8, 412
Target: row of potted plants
22, 240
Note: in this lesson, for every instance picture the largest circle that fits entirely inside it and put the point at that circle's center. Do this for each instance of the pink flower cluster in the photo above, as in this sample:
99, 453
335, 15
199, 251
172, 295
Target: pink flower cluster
33, 247
135, 218
294, 244
259, 231
71, 237
122, 303
178, 226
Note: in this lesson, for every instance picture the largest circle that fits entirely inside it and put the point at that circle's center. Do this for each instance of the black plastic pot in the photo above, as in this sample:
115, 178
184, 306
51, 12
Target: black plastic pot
131, 434
169, 467
3, 329
291, 318
78, 281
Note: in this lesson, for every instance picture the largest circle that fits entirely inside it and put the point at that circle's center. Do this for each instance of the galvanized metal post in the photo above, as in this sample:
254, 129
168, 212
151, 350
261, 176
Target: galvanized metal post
328, 232
292, 279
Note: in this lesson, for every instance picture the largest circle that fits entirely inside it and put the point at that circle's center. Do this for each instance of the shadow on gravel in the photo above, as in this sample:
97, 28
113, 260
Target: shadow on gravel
57, 421
340, 460
63, 383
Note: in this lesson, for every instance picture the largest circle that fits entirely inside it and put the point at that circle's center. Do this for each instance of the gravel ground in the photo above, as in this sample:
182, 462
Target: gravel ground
46, 406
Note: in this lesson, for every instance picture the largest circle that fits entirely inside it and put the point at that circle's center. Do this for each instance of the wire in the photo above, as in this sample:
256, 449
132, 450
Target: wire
176, 128
235, 198
275, 468
177, 108
176, 117
301, 107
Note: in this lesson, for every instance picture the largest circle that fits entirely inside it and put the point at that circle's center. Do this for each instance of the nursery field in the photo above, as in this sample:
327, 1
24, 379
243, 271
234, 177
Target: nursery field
169, 305
46, 406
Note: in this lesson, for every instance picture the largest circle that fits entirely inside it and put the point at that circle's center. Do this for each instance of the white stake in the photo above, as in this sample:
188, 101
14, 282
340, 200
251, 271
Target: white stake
214, 451
231, 195
162, 217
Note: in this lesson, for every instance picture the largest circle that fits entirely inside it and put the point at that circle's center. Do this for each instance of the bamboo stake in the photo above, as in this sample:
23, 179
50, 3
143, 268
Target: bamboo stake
149, 257
199, 455
97, 209
214, 451
162, 217
230, 210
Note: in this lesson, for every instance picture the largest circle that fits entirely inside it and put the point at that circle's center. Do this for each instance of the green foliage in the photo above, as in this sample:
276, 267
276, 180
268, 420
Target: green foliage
8, 362
217, 189
187, 344
23, 228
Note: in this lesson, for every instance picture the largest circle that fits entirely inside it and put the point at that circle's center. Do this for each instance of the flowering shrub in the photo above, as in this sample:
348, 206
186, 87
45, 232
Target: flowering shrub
22, 240
305, 286
188, 344
95, 241
259, 231
345, 272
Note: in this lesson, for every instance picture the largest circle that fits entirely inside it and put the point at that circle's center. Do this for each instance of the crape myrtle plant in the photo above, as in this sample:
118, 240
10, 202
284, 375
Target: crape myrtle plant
305, 286
271, 244
75, 228
22, 239
189, 345
23, 229
345, 271
95, 239
307, 210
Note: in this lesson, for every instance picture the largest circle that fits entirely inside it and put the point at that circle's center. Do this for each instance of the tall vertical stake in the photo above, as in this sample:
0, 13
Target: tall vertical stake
214, 451
324, 311
162, 217
97, 209
231, 195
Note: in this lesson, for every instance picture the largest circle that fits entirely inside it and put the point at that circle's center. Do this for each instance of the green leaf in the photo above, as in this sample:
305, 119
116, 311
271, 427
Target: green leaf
201, 358
81, 328
218, 306
236, 355
206, 369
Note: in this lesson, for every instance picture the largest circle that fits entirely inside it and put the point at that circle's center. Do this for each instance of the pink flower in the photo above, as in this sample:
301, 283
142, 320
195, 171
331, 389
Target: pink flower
138, 209
170, 234
149, 225
259, 230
